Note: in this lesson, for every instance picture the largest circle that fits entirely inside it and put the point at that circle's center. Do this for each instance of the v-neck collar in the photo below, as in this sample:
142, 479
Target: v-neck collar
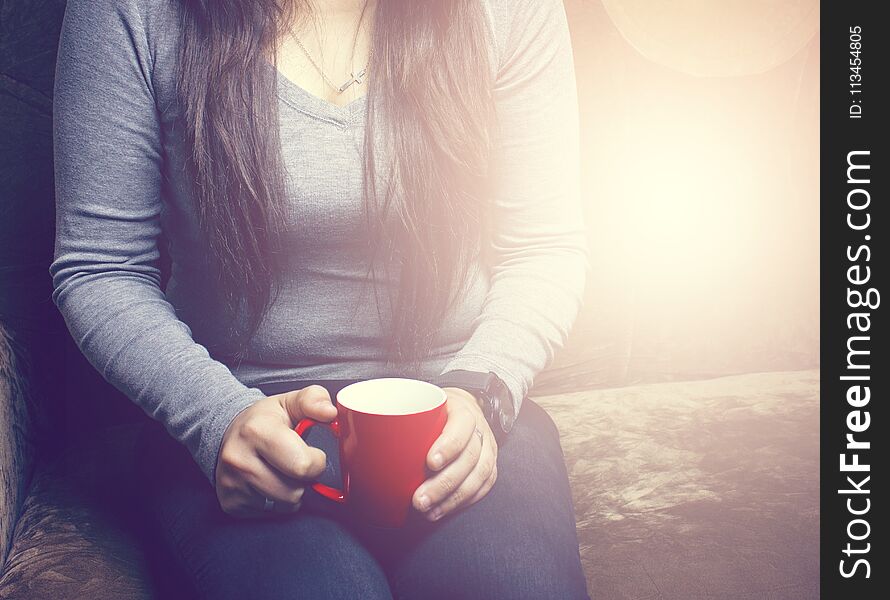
306, 102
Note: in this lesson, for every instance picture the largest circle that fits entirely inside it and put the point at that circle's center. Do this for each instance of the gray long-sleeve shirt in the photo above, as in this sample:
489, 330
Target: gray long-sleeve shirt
120, 182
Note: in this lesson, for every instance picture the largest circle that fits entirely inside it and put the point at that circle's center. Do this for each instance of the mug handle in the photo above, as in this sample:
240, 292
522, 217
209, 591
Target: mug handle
331, 493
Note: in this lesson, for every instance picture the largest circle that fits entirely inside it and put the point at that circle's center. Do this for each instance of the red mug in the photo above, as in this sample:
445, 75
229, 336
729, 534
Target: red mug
385, 428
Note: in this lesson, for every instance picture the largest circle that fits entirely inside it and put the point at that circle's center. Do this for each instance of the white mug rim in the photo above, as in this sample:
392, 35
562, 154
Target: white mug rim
344, 395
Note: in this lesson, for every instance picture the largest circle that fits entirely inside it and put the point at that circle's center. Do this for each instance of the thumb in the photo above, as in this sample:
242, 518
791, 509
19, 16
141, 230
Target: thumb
312, 401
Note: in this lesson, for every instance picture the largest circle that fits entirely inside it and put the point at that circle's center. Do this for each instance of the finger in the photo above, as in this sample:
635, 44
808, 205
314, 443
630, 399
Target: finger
286, 507
269, 483
252, 504
286, 451
444, 483
454, 438
469, 488
313, 401
483, 491
239, 502
259, 505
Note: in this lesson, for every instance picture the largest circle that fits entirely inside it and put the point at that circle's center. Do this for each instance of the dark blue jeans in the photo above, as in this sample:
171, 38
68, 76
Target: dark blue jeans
518, 542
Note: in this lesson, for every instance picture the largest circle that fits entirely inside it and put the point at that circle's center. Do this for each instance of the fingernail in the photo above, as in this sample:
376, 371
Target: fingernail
437, 460
436, 514
424, 502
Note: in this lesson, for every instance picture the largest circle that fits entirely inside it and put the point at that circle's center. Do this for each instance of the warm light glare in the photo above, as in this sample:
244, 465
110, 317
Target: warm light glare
700, 187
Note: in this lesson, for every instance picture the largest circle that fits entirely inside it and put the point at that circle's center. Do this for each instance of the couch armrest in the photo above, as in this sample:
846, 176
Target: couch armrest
16, 449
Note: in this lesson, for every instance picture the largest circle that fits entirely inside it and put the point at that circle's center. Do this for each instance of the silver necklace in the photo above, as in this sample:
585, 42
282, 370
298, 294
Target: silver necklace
354, 77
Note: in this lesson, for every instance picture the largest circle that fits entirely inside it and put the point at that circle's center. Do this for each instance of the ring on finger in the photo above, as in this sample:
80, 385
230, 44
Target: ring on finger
480, 434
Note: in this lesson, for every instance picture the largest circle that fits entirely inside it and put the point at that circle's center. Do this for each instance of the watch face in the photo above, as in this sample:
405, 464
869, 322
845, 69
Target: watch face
499, 408
494, 402
506, 421
505, 393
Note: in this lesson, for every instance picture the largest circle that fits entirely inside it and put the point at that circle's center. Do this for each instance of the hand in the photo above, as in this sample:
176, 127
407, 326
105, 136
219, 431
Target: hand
464, 456
261, 456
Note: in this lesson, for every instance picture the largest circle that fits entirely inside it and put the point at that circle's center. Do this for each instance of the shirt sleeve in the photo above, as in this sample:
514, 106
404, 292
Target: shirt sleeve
539, 243
106, 276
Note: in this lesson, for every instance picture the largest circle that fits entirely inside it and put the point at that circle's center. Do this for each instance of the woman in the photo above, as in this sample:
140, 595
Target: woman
346, 190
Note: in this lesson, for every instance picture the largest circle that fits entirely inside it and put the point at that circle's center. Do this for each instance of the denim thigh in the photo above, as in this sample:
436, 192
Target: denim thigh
198, 551
517, 542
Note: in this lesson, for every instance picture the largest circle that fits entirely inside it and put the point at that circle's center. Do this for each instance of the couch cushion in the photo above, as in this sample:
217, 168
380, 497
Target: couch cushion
700, 489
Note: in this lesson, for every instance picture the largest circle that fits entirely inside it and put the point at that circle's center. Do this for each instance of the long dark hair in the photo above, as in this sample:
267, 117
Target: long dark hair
429, 101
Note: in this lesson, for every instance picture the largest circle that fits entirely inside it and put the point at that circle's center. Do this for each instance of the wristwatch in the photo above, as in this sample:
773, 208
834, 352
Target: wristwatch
492, 393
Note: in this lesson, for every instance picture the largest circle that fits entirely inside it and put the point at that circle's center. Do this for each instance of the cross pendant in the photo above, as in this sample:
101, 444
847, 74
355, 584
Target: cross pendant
356, 78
